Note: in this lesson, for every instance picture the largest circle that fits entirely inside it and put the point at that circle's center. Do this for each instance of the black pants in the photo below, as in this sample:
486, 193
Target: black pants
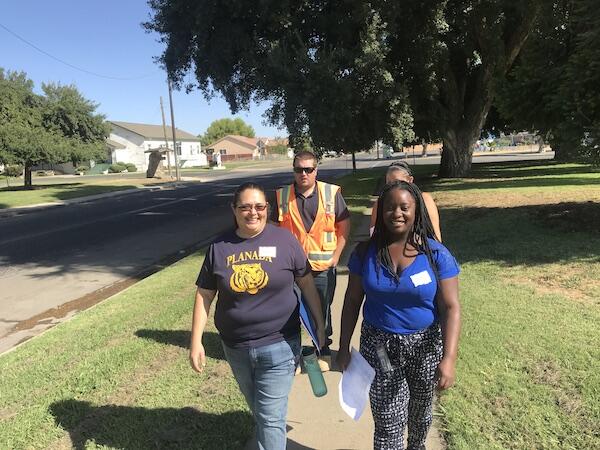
403, 396
325, 283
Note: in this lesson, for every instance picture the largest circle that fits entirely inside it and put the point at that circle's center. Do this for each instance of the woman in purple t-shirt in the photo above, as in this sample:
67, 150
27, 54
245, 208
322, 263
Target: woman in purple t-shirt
411, 315
253, 268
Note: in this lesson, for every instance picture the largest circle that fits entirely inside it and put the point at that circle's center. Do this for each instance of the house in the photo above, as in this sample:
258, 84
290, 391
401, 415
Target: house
129, 143
232, 147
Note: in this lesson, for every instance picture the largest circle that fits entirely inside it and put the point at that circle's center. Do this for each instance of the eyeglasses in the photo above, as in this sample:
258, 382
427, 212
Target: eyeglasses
247, 207
304, 169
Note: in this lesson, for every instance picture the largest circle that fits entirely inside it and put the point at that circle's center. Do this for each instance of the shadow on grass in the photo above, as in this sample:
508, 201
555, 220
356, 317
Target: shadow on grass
129, 427
524, 235
356, 202
42, 187
528, 169
181, 338
454, 185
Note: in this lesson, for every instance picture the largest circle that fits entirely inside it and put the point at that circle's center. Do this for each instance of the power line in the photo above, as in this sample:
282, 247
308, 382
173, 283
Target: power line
71, 65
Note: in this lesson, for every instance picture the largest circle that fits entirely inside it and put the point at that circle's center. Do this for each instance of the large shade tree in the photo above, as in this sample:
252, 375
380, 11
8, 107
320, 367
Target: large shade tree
350, 72
37, 129
554, 87
68, 113
23, 139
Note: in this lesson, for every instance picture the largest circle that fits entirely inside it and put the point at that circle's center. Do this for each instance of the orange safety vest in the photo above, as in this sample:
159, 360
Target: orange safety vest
320, 241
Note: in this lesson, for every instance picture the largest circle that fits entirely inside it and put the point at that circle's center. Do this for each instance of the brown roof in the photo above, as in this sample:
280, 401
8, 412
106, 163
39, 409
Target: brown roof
251, 143
114, 144
155, 132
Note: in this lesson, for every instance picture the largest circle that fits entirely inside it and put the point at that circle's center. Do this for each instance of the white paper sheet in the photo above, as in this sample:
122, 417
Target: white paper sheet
355, 384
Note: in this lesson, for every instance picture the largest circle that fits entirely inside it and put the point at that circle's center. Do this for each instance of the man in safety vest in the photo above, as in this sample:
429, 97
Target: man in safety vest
316, 213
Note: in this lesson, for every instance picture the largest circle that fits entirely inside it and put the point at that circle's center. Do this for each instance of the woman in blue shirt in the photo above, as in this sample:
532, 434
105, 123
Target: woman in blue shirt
411, 316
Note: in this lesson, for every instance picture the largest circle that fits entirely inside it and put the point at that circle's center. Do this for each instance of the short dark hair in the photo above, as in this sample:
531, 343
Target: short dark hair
304, 154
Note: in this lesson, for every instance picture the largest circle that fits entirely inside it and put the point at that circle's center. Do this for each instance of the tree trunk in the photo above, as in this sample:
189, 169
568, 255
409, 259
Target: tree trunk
353, 161
457, 153
543, 140
27, 177
424, 152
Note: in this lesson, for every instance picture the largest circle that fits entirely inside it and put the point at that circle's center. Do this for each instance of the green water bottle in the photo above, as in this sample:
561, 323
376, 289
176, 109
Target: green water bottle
311, 365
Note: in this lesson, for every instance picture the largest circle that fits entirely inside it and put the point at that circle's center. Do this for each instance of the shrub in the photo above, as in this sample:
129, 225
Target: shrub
131, 167
117, 167
81, 169
15, 170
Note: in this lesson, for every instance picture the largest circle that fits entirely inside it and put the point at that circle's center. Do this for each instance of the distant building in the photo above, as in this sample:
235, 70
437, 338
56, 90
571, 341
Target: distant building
232, 147
129, 143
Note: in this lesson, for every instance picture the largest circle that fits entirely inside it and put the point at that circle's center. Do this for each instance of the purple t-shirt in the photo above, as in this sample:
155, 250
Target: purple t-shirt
255, 281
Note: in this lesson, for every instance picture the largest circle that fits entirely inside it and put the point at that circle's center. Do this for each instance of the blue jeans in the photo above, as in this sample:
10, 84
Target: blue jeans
265, 376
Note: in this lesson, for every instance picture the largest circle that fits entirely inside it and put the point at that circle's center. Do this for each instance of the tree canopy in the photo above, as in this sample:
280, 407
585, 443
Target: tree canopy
554, 86
222, 127
73, 116
56, 127
349, 73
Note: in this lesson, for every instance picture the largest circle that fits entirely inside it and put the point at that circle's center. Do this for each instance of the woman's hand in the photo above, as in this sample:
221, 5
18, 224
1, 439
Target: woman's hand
204, 298
446, 373
197, 357
343, 359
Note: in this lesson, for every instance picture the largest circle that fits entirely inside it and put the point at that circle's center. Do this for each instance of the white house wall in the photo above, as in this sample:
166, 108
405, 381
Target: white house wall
191, 153
136, 146
133, 151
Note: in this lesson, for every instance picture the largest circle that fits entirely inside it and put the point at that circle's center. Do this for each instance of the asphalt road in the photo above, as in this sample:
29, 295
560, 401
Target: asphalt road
53, 257
57, 261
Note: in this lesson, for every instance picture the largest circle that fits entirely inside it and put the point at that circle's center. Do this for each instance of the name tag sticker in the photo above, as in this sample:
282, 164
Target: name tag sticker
421, 278
267, 252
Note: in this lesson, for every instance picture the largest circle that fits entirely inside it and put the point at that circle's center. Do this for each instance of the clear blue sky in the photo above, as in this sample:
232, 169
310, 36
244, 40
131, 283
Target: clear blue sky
105, 37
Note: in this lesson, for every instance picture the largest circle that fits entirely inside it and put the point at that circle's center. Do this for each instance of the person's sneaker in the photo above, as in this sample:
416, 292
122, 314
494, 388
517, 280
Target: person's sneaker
325, 363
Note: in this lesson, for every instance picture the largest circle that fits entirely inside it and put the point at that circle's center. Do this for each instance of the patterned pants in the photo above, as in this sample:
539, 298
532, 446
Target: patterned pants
403, 396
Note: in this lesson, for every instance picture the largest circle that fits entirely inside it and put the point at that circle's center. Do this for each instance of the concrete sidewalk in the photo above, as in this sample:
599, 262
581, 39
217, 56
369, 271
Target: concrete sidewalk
319, 423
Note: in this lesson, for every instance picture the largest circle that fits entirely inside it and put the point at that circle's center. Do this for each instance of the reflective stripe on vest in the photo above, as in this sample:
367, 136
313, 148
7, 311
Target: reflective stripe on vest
283, 200
320, 256
329, 199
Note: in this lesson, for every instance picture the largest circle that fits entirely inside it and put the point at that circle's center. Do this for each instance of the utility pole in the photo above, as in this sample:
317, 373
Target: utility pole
173, 128
162, 112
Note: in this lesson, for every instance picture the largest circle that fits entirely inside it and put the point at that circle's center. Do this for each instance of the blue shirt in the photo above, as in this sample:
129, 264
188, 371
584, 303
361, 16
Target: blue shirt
405, 305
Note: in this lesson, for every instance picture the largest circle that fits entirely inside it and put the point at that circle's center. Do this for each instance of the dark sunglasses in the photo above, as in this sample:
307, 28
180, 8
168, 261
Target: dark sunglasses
248, 207
304, 169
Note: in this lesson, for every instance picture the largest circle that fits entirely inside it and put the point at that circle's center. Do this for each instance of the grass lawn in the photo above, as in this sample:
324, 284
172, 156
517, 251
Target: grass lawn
16, 195
117, 376
528, 240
